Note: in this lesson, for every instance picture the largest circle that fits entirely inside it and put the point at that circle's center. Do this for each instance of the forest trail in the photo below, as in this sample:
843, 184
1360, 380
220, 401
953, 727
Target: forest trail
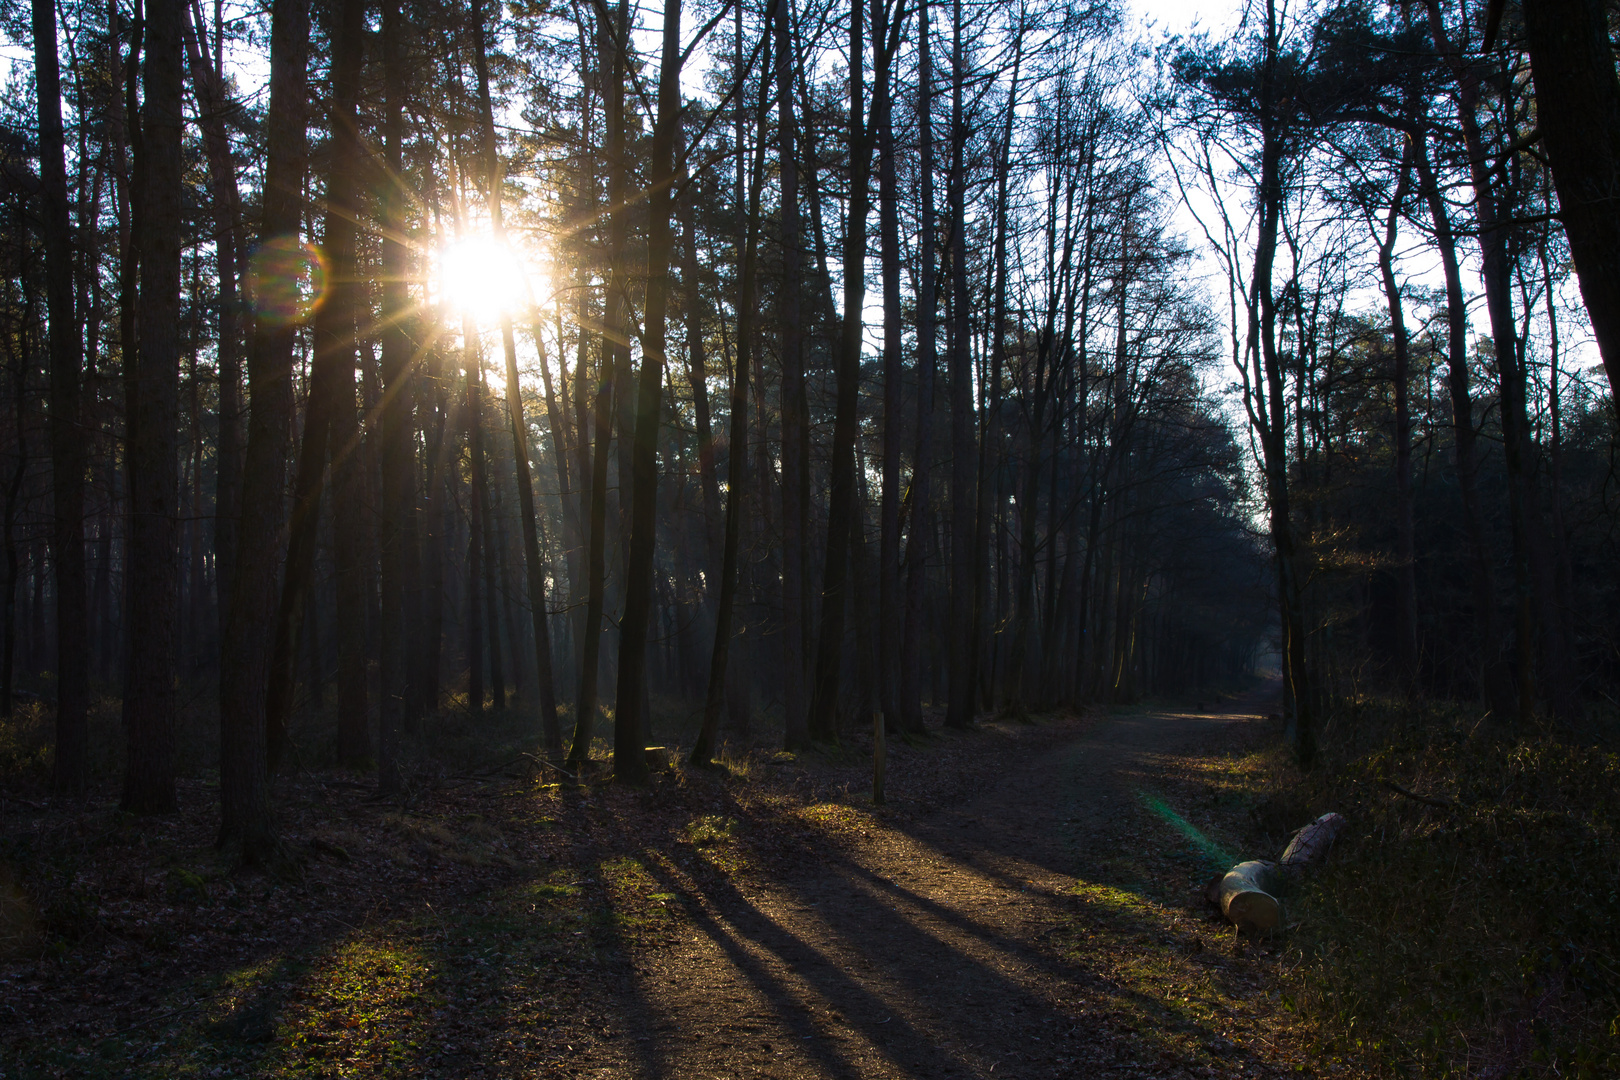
998, 938
1027, 906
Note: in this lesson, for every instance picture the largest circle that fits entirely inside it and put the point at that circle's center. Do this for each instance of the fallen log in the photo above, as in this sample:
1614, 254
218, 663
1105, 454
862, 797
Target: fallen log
1310, 844
1247, 893
1245, 896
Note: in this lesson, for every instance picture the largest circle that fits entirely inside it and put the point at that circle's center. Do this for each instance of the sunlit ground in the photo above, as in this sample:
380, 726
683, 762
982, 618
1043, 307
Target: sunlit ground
722, 927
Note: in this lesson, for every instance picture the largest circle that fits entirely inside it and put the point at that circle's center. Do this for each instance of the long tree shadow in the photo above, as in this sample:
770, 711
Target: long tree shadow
927, 1005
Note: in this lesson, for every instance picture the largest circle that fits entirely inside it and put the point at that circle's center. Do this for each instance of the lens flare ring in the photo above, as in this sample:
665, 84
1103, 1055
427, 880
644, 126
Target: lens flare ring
287, 280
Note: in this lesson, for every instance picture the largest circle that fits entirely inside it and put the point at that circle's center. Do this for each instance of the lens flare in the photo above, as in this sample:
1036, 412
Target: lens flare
1212, 852
287, 280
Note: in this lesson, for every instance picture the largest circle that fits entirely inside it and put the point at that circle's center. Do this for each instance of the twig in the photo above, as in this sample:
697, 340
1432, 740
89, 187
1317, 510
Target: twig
1427, 800
537, 762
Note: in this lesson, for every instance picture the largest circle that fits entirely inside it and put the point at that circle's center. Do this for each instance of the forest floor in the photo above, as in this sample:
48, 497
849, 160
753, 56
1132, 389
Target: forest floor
1028, 904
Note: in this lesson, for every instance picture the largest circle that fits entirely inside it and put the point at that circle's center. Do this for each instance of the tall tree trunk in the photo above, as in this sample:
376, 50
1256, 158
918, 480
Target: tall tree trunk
989, 447
1496, 680
534, 568
331, 369
964, 500
71, 766
630, 725
153, 421
891, 619
795, 734
1269, 416
473, 418
1406, 638
225, 201
823, 718
697, 370
922, 524
491, 548
250, 625
614, 44
395, 540
737, 445
1497, 274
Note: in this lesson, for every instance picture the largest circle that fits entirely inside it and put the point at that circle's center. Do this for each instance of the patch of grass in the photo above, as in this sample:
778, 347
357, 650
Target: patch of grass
709, 830
838, 818
1482, 936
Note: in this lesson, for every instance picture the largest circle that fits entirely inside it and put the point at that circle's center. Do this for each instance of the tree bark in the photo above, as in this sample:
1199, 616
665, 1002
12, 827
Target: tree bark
630, 725
922, 524
737, 447
250, 625
534, 568
1517, 451
959, 710
1406, 636
71, 764
473, 418
1497, 683
1578, 110
891, 619
841, 510
395, 539
615, 39
795, 733
213, 106
153, 410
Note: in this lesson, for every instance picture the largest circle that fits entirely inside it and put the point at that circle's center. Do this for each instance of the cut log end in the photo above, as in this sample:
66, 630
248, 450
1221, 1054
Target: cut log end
1246, 900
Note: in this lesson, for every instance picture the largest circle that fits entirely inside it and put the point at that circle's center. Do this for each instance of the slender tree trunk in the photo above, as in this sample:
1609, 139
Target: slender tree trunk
250, 625
616, 38
534, 568
737, 449
1271, 415
922, 523
473, 418
395, 540
630, 725
488, 546
960, 696
989, 446
8, 657
795, 733
1406, 638
1496, 273
1497, 682
891, 616
841, 509
153, 421
71, 766
226, 204
332, 400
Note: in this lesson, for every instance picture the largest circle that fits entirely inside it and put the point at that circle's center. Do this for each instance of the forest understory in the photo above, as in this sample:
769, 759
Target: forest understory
763, 918
1028, 903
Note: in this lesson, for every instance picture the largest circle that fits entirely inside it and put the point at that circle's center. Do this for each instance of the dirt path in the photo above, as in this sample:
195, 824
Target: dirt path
992, 939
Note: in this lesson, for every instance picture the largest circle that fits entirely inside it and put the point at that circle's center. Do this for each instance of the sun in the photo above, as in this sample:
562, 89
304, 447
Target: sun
482, 278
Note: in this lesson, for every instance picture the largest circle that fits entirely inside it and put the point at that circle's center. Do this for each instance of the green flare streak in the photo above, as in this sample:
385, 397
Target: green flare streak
1211, 850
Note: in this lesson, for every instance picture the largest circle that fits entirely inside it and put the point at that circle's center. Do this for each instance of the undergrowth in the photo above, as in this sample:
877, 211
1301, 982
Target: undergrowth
1473, 934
